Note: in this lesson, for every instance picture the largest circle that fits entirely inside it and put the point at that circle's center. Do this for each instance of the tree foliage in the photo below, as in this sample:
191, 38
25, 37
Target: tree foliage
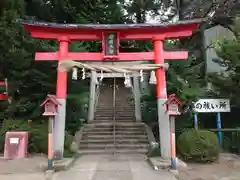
29, 81
227, 83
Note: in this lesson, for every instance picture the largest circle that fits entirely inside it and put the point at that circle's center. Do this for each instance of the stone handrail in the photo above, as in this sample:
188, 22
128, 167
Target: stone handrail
77, 138
97, 96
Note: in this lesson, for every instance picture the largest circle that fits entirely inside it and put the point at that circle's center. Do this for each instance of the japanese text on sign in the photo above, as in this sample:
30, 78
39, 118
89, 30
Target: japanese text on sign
212, 105
111, 44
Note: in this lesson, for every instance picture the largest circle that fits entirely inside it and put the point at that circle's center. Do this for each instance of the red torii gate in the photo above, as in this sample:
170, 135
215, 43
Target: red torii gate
3, 90
65, 33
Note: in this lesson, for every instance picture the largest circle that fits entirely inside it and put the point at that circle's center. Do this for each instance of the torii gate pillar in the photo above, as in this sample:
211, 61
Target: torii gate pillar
61, 94
161, 94
110, 35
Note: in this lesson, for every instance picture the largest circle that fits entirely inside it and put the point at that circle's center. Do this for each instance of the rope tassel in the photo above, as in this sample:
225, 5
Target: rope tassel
75, 73
152, 78
141, 76
127, 81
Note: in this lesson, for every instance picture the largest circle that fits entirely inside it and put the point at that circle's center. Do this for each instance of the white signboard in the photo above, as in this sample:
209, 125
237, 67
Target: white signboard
212, 105
14, 140
173, 107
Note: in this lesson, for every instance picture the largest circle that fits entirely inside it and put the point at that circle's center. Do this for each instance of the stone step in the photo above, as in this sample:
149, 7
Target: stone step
107, 114
110, 105
110, 110
117, 141
110, 136
107, 106
116, 120
108, 121
100, 114
118, 116
111, 128
117, 146
119, 124
123, 104
129, 118
117, 111
122, 113
111, 120
110, 151
116, 133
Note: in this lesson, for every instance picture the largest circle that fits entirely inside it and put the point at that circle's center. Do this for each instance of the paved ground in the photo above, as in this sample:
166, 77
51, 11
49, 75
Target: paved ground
131, 167
24, 169
29, 176
228, 168
22, 166
97, 167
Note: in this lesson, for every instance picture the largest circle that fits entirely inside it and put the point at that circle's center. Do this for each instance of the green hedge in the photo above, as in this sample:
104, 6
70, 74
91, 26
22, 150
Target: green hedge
38, 135
198, 146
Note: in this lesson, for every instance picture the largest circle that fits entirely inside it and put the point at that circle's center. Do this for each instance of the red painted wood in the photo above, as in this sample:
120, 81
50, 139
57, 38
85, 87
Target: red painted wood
2, 83
168, 32
158, 35
61, 89
52, 99
161, 87
172, 98
134, 56
46, 56
176, 55
3, 97
85, 36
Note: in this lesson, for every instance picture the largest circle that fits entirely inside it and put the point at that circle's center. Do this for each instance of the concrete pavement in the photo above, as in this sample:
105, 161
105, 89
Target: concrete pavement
87, 167
25, 176
120, 167
22, 169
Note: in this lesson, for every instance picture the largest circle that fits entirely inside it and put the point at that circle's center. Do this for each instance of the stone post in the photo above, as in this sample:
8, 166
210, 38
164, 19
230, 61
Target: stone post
92, 96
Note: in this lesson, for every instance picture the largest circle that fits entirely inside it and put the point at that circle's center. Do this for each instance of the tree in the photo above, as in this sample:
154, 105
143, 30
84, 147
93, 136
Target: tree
28, 81
227, 83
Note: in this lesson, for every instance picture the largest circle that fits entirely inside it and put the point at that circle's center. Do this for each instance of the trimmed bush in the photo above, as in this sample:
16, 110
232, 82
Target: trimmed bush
235, 145
198, 146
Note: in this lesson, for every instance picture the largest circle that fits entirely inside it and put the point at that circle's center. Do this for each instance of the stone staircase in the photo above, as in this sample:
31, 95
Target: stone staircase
99, 136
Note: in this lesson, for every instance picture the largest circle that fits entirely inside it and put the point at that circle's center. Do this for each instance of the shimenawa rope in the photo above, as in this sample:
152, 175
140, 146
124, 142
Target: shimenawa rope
67, 65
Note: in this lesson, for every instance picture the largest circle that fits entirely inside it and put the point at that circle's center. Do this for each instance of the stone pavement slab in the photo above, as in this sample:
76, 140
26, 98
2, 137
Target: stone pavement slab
27, 165
120, 167
84, 169
25, 176
227, 168
142, 171
113, 169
